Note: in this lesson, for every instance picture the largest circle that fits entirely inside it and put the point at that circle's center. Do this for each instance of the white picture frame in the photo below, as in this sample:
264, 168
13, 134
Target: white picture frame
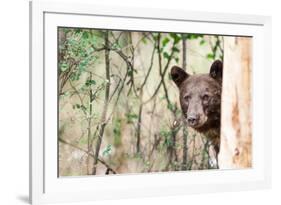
46, 187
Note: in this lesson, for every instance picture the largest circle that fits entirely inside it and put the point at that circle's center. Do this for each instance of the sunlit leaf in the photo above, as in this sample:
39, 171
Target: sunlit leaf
165, 41
210, 56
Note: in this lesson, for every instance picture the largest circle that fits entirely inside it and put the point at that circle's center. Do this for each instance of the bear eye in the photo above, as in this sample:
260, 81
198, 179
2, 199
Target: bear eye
205, 97
187, 98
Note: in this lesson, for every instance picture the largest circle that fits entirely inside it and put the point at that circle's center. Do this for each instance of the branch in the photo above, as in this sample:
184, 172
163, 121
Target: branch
162, 75
183, 52
130, 65
149, 69
118, 96
116, 88
105, 106
89, 153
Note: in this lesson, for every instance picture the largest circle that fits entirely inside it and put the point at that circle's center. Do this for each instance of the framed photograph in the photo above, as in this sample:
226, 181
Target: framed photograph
129, 102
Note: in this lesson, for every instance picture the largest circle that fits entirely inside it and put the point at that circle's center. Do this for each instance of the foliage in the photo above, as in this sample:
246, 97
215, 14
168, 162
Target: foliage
117, 97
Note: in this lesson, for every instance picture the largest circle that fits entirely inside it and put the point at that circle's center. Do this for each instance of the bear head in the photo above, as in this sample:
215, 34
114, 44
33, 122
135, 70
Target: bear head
200, 96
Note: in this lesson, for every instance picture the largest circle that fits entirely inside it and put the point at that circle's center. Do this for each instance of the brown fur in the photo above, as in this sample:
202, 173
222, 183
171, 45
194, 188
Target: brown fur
200, 99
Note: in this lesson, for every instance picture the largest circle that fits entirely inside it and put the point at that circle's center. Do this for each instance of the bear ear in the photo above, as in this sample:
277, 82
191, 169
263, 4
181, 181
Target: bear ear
178, 75
216, 70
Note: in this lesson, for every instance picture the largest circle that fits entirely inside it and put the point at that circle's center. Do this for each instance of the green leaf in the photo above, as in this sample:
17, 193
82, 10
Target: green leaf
116, 46
165, 41
194, 36
90, 82
131, 117
175, 49
202, 42
107, 150
82, 107
176, 37
130, 72
171, 107
85, 35
167, 135
117, 132
144, 40
166, 55
82, 66
155, 36
78, 30
177, 61
211, 56
76, 106
63, 67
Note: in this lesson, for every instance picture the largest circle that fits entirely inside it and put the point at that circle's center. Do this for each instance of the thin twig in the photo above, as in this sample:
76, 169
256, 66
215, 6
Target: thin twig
89, 153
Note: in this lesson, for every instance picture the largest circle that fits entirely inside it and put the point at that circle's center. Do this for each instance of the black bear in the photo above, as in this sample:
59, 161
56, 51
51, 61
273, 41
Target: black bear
200, 99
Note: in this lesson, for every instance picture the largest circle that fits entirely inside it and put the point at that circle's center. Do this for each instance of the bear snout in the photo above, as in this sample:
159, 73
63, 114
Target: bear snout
193, 120
196, 121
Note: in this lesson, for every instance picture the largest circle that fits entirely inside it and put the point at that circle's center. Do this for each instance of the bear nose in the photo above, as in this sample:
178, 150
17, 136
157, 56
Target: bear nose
192, 120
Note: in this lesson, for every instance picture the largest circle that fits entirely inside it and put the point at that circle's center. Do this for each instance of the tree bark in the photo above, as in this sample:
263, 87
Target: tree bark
105, 106
183, 52
184, 130
236, 116
89, 128
139, 124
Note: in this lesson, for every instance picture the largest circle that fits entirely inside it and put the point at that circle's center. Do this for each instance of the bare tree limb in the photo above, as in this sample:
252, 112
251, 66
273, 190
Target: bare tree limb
89, 153
105, 106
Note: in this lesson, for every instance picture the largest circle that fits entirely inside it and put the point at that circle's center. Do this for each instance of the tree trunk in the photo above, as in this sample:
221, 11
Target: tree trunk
89, 128
138, 132
105, 106
184, 130
236, 116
